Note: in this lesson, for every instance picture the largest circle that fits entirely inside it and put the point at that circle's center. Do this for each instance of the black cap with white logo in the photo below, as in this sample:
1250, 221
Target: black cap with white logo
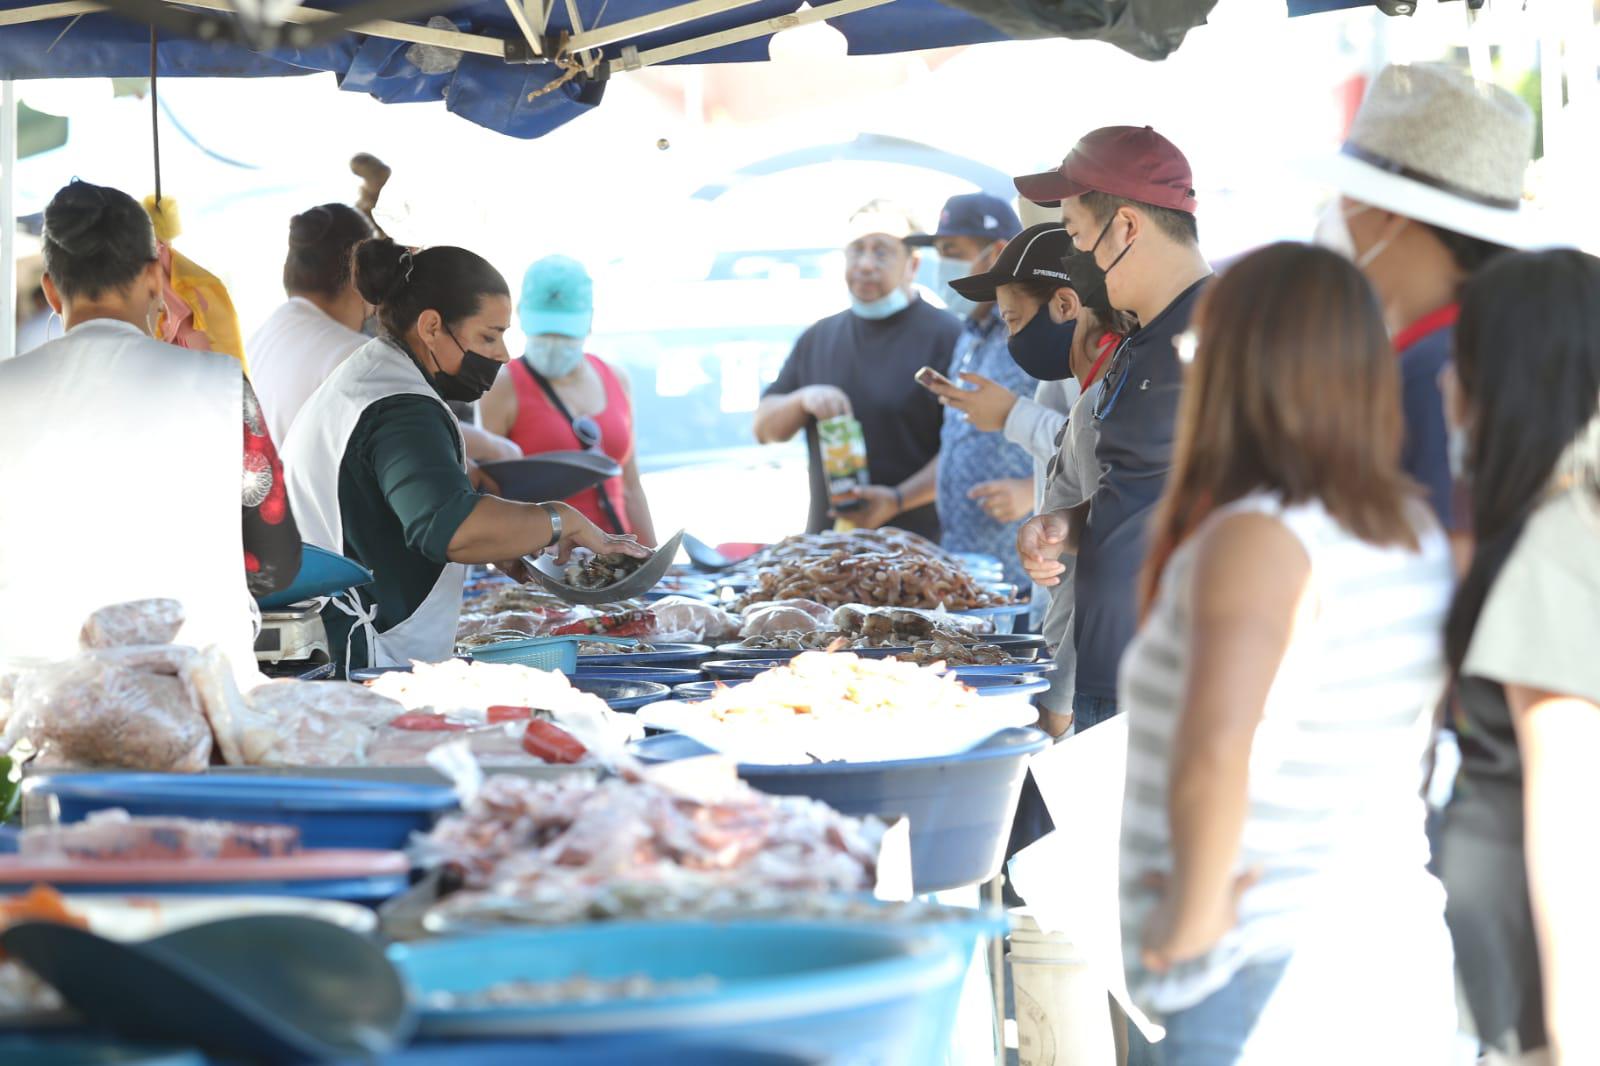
1036, 254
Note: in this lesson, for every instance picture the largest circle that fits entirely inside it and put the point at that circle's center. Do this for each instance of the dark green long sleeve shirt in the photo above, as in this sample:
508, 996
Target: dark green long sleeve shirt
402, 496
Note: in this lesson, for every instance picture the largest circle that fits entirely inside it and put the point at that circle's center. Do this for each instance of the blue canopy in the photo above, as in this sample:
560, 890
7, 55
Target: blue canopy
530, 99
483, 89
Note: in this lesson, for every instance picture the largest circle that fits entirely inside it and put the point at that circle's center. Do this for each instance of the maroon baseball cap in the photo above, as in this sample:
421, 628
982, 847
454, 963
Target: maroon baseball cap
1133, 162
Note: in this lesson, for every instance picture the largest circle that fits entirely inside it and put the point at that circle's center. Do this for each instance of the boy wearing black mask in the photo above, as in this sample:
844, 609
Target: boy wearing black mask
1127, 201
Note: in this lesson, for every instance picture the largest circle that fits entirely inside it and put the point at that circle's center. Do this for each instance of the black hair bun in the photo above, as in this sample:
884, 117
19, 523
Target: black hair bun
309, 227
381, 267
74, 219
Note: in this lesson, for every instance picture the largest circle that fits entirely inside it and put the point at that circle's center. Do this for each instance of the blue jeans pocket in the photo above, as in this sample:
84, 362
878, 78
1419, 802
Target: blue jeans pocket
1215, 1031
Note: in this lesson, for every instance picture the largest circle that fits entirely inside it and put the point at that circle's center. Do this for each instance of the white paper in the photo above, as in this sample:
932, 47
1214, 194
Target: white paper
1069, 878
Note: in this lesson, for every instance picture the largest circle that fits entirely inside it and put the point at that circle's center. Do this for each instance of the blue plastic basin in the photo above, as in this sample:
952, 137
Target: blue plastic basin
78, 1047
623, 695
586, 1052
960, 806
659, 675
683, 656
1003, 618
329, 814
1024, 679
862, 993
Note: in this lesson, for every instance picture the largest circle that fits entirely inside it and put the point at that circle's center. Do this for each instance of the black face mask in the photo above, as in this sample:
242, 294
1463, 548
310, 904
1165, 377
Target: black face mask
1088, 280
470, 381
1081, 267
1042, 348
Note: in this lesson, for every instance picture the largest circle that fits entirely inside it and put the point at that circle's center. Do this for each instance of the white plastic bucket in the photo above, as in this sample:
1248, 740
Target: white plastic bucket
1062, 1013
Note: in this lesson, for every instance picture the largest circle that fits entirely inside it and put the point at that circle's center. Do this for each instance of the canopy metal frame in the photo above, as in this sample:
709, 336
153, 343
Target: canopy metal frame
532, 18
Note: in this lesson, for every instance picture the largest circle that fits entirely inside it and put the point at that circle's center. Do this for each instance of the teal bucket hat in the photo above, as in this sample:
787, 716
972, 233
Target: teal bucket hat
557, 297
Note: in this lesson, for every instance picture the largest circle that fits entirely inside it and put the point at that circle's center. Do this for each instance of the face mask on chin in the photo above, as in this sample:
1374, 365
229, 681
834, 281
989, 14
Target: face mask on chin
881, 308
1043, 348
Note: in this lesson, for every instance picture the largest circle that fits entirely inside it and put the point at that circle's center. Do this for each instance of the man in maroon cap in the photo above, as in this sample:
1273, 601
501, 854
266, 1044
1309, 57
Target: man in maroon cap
1127, 201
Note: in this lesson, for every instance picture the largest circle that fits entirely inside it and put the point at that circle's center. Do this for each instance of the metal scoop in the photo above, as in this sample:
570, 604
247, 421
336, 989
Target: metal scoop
549, 574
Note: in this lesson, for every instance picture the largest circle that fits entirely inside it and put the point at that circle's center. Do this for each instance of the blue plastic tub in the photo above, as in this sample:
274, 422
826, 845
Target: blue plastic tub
683, 656
623, 695
727, 652
586, 1051
960, 806
659, 675
329, 814
1003, 618
367, 891
80, 1047
858, 993
1023, 679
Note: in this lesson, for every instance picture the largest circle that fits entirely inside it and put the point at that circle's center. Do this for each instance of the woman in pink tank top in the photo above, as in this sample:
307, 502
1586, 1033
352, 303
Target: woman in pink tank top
557, 398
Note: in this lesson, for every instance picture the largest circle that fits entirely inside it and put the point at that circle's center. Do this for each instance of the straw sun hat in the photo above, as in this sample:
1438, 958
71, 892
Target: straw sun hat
1432, 144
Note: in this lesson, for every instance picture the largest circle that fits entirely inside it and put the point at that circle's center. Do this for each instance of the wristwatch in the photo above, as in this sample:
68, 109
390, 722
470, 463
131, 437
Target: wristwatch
555, 522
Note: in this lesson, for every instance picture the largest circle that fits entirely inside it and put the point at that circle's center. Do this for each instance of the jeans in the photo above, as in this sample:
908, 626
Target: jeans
1216, 1031
1091, 711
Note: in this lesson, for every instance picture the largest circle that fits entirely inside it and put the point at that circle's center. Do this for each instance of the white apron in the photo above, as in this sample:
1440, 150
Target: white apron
312, 457
121, 466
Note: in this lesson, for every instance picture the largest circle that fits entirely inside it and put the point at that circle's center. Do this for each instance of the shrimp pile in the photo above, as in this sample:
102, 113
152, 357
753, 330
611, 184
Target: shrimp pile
876, 579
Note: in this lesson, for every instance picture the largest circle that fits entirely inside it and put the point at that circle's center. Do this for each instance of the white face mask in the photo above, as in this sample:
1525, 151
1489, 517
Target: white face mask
554, 357
885, 307
954, 270
1333, 233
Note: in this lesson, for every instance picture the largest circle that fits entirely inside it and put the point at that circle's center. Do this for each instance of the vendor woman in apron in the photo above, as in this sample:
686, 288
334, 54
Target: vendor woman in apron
376, 467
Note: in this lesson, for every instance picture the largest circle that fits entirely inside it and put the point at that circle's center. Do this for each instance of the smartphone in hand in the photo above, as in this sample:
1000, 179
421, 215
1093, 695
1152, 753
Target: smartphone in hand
928, 377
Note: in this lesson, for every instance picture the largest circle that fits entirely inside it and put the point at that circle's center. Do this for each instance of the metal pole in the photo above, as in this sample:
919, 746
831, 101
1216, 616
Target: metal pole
8, 220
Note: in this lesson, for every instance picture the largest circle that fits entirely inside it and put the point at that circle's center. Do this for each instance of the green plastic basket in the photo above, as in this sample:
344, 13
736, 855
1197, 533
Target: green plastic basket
543, 653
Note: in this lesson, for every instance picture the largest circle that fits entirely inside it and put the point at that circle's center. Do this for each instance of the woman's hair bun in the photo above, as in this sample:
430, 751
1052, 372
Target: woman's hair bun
309, 227
380, 269
75, 216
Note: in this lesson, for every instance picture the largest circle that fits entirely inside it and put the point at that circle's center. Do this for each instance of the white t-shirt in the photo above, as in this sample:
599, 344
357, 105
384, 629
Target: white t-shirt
291, 355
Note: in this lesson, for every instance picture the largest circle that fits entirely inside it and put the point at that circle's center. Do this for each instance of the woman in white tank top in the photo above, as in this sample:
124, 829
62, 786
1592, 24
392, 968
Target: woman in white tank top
1276, 906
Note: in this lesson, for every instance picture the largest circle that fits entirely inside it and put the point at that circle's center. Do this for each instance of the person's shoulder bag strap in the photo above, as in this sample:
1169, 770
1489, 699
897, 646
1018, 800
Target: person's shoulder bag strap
560, 405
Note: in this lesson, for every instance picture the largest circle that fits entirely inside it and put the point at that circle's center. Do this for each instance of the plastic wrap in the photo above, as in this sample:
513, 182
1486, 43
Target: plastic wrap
95, 711
138, 622
113, 836
491, 745
680, 619
785, 616
295, 723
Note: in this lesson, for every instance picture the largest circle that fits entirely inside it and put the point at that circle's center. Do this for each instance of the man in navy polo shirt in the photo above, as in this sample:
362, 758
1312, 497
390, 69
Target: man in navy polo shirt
1431, 181
1127, 200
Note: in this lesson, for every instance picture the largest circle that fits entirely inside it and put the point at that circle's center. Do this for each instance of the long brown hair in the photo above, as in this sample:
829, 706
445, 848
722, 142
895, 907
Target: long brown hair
1294, 390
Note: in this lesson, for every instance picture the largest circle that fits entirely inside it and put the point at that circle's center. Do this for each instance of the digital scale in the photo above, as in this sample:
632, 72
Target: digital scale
293, 643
